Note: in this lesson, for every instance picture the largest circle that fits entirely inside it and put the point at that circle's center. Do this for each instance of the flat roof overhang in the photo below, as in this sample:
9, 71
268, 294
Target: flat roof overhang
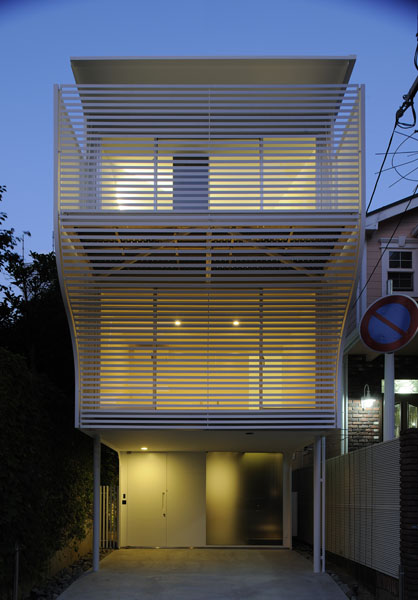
213, 70
186, 440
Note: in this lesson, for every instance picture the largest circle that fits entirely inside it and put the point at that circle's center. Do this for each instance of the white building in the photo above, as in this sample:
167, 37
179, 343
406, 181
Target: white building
208, 218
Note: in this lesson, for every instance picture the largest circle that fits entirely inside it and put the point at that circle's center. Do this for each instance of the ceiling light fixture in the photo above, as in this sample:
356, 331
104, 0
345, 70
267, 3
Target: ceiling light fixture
177, 323
235, 323
144, 448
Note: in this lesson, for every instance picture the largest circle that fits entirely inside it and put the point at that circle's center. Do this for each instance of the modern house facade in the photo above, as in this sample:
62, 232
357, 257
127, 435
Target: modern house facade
208, 229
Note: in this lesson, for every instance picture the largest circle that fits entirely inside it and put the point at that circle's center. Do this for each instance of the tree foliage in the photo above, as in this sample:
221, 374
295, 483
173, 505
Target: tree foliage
46, 476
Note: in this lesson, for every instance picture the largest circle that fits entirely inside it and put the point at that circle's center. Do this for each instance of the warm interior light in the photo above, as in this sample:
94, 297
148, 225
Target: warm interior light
144, 448
367, 400
235, 323
177, 323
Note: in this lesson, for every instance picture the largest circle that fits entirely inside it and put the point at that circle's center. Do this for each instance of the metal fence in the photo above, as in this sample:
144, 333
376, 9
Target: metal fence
108, 516
362, 506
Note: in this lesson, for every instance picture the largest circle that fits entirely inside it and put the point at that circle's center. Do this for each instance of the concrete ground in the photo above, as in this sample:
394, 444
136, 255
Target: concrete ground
200, 574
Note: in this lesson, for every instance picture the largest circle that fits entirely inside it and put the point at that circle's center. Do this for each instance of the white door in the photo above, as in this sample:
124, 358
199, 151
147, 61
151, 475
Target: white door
166, 499
146, 499
186, 499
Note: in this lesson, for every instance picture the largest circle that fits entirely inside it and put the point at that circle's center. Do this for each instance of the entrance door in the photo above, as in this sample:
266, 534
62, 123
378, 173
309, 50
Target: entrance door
146, 490
166, 499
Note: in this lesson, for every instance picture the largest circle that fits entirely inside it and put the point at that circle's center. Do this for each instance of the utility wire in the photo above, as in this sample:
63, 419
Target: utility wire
381, 167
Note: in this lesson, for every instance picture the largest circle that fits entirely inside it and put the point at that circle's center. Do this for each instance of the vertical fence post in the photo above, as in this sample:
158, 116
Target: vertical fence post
16, 573
96, 503
317, 505
323, 521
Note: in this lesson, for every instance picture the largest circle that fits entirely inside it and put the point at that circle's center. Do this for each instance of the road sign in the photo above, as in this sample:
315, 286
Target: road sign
389, 323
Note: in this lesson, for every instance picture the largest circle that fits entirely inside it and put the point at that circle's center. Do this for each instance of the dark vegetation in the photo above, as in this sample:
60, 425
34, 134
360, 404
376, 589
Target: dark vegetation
46, 470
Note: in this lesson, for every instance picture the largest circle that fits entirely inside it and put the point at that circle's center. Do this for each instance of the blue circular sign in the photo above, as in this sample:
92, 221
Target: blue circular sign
389, 323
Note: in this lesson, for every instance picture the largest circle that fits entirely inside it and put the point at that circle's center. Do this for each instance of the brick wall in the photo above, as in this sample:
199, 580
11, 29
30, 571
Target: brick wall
364, 425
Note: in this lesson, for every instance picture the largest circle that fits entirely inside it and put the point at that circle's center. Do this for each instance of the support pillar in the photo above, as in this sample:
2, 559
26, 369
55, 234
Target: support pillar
96, 503
389, 395
319, 505
389, 399
287, 501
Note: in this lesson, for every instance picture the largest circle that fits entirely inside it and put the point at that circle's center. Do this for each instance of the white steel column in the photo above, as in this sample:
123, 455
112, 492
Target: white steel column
287, 500
319, 506
389, 395
389, 398
96, 502
344, 407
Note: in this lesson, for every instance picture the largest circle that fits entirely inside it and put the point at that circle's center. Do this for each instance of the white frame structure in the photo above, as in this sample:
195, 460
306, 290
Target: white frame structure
208, 217
275, 247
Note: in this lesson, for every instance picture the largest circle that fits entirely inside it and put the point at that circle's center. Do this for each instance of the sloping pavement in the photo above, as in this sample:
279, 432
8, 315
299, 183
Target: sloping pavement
203, 574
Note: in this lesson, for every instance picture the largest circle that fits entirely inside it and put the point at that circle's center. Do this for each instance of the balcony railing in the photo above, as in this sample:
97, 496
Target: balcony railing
194, 148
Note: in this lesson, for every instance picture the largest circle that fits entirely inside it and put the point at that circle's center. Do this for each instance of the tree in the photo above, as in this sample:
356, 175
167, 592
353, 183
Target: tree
46, 479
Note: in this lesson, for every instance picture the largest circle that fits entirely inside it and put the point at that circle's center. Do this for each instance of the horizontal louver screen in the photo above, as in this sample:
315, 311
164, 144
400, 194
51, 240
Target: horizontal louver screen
208, 257
196, 148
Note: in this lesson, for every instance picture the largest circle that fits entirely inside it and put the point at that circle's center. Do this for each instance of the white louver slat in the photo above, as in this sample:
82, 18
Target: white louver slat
208, 242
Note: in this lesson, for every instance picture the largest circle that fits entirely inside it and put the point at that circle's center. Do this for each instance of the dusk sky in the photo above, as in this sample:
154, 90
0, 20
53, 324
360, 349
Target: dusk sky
38, 37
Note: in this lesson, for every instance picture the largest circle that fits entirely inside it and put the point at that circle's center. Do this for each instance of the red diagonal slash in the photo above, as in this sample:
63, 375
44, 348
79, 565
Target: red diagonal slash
389, 323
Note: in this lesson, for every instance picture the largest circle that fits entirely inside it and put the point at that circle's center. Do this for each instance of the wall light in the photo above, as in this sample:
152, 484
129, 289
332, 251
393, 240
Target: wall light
367, 400
177, 323
235, 323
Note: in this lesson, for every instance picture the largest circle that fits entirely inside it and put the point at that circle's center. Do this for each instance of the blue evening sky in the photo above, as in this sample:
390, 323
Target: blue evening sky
37, 38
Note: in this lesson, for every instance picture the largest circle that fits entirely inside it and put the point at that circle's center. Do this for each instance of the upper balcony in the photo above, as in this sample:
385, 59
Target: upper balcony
196, 147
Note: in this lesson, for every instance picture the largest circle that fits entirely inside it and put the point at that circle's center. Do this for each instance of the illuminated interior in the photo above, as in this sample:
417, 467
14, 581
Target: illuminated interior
260, 174
268, 361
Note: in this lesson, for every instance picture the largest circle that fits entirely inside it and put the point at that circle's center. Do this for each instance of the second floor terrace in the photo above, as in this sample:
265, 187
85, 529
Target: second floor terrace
193, 147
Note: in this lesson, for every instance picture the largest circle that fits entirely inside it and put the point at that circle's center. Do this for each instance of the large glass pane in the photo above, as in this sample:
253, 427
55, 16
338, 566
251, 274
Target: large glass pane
244, 498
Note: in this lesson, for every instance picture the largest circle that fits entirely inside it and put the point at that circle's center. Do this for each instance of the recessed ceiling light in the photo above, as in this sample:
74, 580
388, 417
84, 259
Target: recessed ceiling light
177, 323
235, 323
144, 448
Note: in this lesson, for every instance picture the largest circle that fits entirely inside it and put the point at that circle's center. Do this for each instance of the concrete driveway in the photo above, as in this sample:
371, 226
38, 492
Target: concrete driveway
198, 574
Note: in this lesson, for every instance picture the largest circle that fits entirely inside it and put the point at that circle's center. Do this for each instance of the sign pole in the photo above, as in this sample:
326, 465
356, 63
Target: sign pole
389, 394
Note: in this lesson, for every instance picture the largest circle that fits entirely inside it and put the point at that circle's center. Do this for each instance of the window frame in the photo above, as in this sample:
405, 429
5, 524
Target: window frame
400, 245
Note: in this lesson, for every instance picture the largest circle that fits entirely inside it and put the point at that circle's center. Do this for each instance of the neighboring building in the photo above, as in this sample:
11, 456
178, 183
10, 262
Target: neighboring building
390, 253
208, 219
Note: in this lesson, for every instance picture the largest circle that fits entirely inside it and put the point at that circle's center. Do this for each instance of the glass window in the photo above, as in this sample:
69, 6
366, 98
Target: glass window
402, 282
400, 260
397, 419
412, 415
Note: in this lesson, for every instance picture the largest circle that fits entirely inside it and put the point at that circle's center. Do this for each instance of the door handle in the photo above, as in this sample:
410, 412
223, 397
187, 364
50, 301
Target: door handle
163, 503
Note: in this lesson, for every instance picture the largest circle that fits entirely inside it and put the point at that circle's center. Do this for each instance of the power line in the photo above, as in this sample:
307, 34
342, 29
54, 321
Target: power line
381, 167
